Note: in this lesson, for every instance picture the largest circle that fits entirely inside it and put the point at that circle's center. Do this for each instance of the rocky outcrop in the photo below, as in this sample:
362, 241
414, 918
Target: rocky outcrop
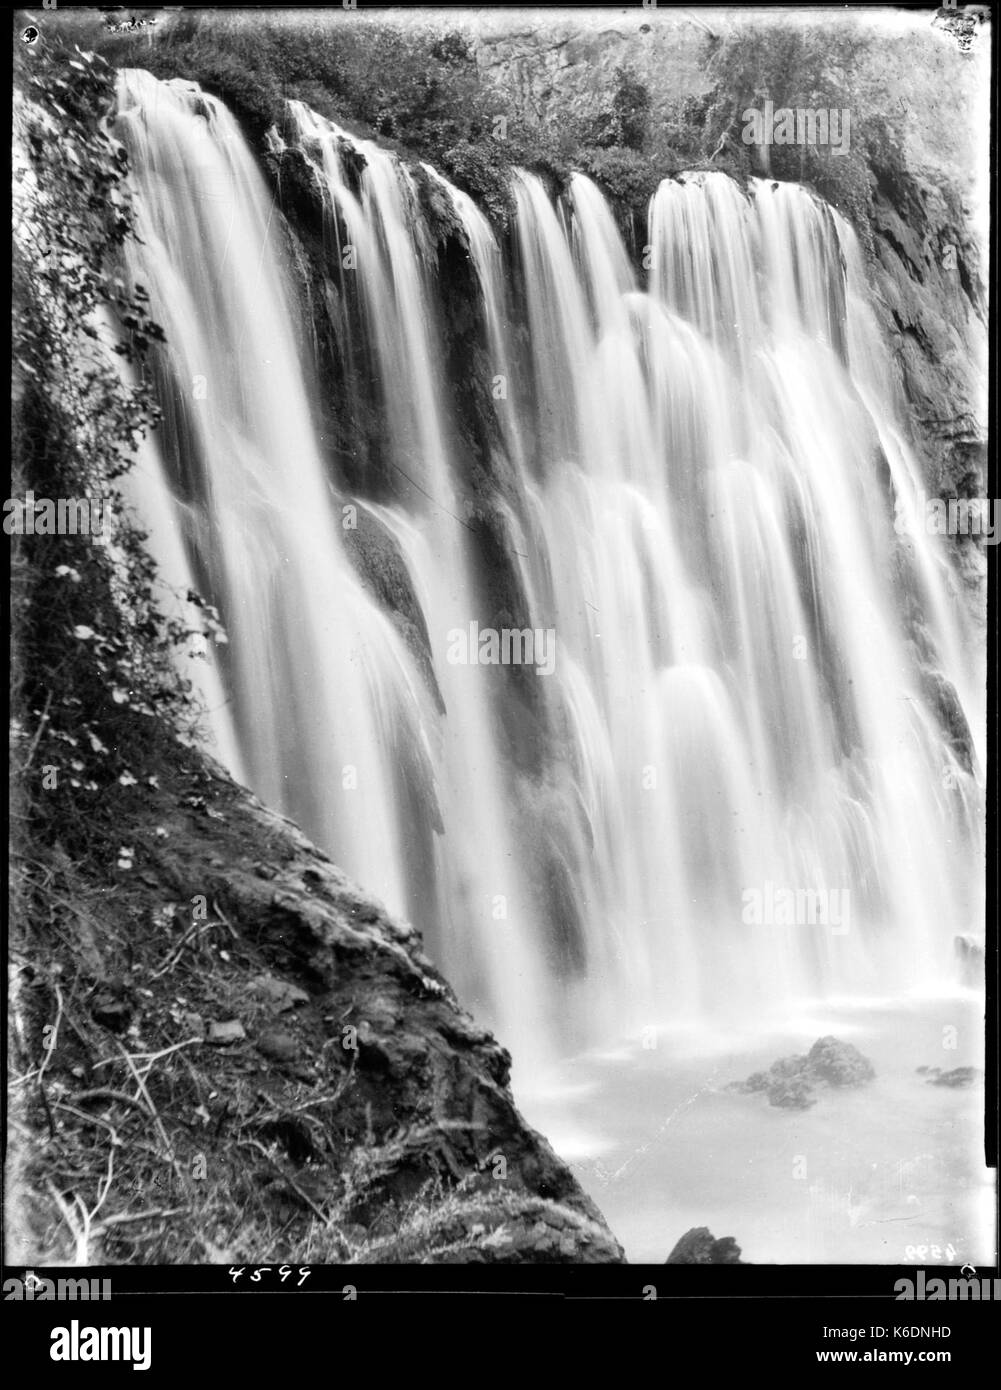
315, 1083
565, 65
838, 1063
929, 293
381, 567
956, 1079
700, 1247
971, 955
791, 1083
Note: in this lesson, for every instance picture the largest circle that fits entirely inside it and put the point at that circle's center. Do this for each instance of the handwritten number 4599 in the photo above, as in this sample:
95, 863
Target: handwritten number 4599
283, 1273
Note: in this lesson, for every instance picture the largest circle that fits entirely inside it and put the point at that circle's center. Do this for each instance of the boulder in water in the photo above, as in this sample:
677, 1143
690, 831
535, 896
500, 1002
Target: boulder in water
791, 1093
700, 1247
959, 1076
787, 1069
790, 1082
839, 1063
757, 1081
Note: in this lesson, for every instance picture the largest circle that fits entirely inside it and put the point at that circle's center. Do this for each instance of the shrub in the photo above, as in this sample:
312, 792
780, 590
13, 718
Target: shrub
624, 175
94, 655
630, 110
799, 65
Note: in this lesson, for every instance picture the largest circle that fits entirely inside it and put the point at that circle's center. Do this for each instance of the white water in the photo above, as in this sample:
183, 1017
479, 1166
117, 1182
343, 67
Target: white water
892, 1173
322, 689
693, 501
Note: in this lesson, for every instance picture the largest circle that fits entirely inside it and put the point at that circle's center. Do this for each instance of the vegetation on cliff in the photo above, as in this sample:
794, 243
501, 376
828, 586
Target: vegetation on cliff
419, 89
96, 684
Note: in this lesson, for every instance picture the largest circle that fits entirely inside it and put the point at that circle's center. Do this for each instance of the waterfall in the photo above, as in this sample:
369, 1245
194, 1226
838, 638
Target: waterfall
696, 454
322, 688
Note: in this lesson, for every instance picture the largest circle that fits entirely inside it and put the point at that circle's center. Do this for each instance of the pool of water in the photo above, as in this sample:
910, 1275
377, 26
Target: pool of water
890, 1173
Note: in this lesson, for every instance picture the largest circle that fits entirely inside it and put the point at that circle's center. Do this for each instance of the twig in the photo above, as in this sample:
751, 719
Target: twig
80, 1234
195, 1079
91, 1119
112, 1094
168, 1147
38, 733
175, 954
320, 1100
151, 1057
122, 1216
20, 1080
103, 1192
55, 1035
148, 1057
179, 1172
224, 919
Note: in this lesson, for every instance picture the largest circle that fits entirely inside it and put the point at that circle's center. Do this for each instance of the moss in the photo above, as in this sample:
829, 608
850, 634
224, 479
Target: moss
627, 177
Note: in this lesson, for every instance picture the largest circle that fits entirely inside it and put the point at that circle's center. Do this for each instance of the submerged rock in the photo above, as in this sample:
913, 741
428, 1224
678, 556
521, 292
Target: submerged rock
959, 1076
791, 1093
839, 1063
791, 1081
700, 1247
757, 1081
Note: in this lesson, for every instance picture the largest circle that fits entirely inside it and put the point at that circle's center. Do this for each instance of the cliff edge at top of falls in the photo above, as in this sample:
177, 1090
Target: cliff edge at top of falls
919, 106
630, 96
270, 1064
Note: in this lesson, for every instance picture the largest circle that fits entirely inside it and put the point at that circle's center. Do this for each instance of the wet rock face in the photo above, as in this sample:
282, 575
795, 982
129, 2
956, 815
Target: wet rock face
700, 1247
564, 66
791, 1083
376, 557
423, 1092
930, 300
970, 953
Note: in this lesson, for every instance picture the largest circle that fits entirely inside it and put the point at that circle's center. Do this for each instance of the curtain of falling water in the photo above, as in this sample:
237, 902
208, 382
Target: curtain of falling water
714, 527
702, 510
321, 688
485, 932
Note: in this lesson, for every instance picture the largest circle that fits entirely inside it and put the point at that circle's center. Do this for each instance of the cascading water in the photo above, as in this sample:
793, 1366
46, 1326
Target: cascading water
698, 501
711, 537
323, 691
